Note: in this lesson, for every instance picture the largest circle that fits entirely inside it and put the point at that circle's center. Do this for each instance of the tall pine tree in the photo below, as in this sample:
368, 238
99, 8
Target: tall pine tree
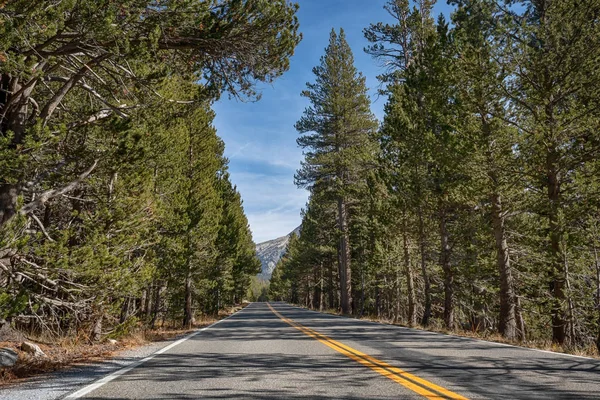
337, 137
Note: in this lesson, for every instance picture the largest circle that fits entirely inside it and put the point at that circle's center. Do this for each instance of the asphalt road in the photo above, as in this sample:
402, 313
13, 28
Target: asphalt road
282, 352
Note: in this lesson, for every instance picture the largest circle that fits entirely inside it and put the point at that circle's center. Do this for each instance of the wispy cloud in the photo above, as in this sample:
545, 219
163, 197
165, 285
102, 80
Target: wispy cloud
275, 154
239, 150
272, 203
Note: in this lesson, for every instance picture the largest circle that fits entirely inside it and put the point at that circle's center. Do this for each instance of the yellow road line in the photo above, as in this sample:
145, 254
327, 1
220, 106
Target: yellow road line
418, 385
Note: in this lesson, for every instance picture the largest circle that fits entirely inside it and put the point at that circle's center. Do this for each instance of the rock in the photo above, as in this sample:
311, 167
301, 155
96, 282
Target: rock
112, 341
33, 349
8, 357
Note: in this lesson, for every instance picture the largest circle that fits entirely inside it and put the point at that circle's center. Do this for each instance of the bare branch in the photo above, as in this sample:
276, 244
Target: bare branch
36, 219
91, 90
50, 194
58, 96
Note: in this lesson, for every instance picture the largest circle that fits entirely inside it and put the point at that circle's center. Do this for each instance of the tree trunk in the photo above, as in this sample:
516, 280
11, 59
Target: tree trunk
385, 305
15, 109
378, 296
448, 271
344, 259
424, 273
157, 299
309, 297
147, 307
125, 307
571, 309
142, 309
508, 323
321, 281
597, 265
520, 320
362, 290
218, 303
97, 329
188, 315
410, 286
317, 278
331, 294
8, 202
557, 272
14, 118
396, 297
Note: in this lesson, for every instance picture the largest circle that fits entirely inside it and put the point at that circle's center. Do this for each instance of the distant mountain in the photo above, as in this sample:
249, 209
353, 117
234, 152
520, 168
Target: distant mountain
271, 251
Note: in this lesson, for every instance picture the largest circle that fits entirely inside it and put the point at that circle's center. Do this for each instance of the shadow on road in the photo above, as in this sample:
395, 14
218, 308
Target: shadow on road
474, 368
245, 373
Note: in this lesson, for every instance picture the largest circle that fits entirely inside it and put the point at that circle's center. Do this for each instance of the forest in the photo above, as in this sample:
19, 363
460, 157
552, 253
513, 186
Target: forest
474, 205
116, 205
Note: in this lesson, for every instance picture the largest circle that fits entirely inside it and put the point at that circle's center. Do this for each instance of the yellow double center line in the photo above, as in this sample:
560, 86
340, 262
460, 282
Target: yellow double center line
418, 385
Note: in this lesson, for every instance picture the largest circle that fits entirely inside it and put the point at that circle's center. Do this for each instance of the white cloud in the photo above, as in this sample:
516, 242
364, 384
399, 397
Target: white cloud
272, 203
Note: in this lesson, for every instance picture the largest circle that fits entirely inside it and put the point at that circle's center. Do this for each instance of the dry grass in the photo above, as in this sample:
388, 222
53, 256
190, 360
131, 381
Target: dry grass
71, 351
58, 356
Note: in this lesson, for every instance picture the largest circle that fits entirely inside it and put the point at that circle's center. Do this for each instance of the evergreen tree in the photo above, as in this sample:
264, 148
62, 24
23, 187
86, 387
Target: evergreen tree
101, 48
107, 154
486, 177
203, 209
398, 46
478, 41
338, 131
237, 259
555, 97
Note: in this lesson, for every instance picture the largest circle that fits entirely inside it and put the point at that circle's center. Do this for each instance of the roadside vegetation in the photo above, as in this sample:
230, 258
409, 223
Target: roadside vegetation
117, 214
475, 205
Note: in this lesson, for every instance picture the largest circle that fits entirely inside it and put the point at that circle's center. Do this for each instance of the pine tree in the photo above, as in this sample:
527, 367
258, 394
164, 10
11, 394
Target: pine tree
203, 211
317, 245
123, 49
554, 47
398, 46
107, 156
477, 39
237, 259
338, 147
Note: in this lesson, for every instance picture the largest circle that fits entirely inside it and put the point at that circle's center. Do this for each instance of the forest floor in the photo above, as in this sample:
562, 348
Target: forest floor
490, 336
69, 352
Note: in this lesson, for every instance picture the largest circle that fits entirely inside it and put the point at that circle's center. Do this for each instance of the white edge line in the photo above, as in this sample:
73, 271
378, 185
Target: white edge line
103, 381
466, 338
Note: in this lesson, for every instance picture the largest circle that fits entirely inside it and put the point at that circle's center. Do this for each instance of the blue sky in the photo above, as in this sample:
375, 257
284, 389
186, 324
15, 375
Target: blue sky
260, 139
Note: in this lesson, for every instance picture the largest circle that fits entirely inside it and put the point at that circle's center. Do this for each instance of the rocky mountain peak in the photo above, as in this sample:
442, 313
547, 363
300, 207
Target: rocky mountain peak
271, 251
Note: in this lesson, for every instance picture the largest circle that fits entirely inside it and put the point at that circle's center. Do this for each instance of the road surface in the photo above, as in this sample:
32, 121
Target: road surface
276, 351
